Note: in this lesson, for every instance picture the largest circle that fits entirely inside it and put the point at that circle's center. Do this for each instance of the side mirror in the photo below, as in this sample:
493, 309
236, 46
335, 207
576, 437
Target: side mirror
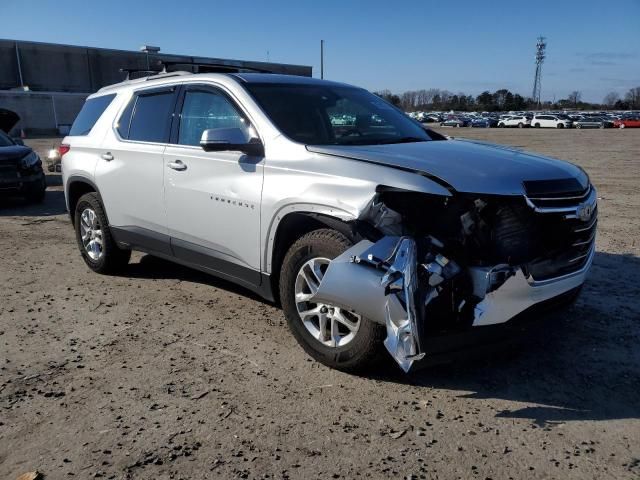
18, 141
230, 139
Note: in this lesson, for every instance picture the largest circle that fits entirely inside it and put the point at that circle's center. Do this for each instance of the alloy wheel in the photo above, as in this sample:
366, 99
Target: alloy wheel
91, 234
331, 326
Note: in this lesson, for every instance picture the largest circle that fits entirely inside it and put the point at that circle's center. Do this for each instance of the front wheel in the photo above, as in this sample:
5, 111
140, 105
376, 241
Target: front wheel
334, 336
536, 125
560, 125
98, 248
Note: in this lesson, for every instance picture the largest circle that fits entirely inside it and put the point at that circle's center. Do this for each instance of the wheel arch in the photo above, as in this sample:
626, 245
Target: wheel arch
76, 187
294, 224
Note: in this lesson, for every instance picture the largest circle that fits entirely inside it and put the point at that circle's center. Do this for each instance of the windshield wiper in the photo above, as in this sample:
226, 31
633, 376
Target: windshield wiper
404, 140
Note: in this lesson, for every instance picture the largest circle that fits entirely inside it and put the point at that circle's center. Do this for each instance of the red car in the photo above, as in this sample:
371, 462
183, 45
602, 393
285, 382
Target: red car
627, 123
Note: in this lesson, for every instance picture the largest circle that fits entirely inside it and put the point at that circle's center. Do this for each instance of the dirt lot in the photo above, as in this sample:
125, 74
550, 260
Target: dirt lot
166, 373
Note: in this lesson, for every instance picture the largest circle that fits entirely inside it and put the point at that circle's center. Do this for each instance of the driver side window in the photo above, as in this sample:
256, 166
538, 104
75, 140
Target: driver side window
206, 109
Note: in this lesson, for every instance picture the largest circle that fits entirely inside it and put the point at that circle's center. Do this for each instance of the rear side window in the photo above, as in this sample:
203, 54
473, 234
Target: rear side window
89, 115
125, 119
151, 116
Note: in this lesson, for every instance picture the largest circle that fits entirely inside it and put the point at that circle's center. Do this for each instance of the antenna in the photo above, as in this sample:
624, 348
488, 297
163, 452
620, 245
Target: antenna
541, 46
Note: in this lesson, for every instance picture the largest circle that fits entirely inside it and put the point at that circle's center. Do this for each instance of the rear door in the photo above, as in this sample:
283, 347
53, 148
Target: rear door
130, 171
213, 198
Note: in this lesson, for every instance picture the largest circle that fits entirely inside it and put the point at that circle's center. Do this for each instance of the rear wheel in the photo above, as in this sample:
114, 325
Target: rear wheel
334, 336
521, 125
98, 248
560, 125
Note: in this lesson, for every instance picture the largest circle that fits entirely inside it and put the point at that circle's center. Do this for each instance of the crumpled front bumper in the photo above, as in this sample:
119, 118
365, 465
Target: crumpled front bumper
379, 281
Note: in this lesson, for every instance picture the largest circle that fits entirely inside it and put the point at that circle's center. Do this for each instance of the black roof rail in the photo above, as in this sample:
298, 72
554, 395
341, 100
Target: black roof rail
212, 67
129, 71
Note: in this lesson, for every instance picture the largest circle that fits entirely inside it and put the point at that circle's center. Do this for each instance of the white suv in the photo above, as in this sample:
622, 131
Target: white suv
368, 232
519, 121
550, 121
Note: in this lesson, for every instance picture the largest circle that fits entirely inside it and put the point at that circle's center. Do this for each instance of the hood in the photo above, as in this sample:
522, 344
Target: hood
13, 153
8, 120
464, 165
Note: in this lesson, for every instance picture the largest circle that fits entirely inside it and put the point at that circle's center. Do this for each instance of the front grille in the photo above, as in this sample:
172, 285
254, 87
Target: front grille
567, 201
570, 220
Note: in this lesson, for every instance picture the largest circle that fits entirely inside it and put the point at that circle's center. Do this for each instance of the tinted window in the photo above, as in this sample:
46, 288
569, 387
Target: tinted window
89, 115
326, 114
125, 119
151, 115
203, 110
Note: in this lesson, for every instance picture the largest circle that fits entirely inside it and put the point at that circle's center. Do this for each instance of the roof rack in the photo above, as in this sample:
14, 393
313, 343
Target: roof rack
156, 76
213, 67
129, 71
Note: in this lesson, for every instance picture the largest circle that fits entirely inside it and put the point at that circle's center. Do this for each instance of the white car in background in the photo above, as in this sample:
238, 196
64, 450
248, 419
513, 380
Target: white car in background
519, 121
550, 121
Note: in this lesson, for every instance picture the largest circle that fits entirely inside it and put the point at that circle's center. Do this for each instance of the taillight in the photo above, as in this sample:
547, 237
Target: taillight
63, 148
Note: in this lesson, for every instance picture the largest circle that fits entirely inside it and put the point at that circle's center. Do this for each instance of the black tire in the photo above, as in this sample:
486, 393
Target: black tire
113, 259
560, 125
537, 125
521, 125
501, 125
365, 349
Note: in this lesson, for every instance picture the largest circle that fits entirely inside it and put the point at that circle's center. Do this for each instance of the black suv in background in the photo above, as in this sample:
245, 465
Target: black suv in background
21, 171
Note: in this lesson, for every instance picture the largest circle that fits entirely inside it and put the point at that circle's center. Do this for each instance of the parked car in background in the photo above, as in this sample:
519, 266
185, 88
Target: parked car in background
455, 122
588, 122
485, 122
519, 121
627, 122
21, 172
550, 121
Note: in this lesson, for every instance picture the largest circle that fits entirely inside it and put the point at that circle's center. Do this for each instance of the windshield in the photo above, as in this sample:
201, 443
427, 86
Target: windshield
5, 141
334, 115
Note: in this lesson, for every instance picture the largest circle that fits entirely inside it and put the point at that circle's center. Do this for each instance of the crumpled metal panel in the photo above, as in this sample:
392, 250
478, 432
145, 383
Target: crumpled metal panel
518, 293
400, 283
379, 281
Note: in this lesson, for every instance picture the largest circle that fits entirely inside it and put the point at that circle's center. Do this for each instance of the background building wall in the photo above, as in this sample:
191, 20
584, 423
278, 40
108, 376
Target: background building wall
35, 77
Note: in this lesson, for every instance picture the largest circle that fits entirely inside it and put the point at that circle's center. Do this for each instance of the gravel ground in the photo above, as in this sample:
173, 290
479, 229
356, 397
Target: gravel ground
166, 373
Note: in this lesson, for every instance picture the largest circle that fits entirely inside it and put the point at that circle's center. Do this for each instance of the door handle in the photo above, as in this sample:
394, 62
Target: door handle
177, 165
107, 156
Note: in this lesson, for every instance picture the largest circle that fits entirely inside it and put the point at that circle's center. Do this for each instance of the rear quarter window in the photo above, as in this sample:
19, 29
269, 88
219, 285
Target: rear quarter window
89, 114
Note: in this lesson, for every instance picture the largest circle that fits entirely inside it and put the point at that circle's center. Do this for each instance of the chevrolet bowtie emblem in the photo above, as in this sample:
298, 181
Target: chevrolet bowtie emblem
584, 211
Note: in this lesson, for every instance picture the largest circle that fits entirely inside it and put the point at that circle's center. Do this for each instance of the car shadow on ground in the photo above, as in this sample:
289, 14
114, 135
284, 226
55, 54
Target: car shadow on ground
582, 363
53, 204
157, 268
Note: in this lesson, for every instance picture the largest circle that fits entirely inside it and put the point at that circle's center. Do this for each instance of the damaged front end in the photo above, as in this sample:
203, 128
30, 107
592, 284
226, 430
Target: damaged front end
439, 265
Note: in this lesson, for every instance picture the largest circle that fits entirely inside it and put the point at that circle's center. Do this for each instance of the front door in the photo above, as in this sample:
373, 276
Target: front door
213, 198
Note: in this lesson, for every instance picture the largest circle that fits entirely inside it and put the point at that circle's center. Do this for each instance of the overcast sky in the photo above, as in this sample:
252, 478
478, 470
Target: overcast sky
469, 46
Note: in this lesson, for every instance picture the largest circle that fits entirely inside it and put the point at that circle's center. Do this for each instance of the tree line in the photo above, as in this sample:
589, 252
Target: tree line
502, 100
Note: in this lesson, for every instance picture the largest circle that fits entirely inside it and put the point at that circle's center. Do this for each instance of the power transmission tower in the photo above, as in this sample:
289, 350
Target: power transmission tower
541, 46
